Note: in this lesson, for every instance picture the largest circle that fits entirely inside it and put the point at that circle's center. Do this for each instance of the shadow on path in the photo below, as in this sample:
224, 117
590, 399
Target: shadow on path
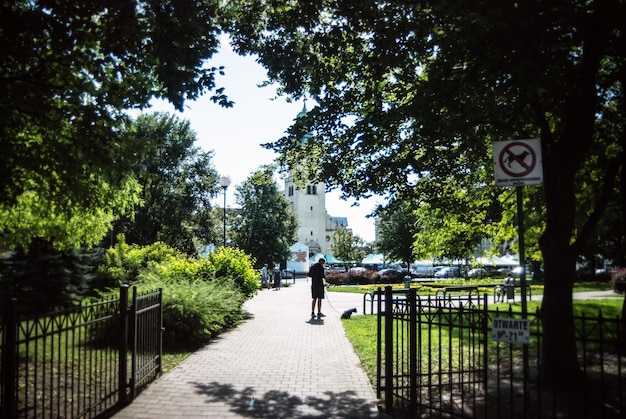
281, 404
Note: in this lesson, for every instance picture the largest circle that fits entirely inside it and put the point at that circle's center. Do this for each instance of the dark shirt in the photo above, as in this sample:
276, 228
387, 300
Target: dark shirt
317, 273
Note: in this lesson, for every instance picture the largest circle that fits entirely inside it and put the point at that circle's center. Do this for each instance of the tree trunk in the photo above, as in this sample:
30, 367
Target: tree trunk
559, 358
623, 327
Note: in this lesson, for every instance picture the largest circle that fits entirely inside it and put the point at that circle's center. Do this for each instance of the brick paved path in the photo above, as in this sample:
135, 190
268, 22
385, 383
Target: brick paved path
278, 364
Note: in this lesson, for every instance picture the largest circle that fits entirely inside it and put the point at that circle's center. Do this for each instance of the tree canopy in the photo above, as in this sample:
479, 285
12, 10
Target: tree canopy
347, 247
177, 182
397, 228
69, 72
411, 94
266, 225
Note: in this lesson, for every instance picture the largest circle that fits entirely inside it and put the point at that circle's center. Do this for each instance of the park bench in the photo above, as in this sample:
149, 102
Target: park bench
507, 292
467, 294
399, 297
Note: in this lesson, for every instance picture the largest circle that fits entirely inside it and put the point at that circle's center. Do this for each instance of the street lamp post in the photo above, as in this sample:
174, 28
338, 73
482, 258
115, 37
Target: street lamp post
224, 182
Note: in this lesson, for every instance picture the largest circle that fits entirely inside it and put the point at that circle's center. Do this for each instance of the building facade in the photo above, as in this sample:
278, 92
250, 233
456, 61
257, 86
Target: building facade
316, 227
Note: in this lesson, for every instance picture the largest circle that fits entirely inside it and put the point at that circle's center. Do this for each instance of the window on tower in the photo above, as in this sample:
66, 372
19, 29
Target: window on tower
311, 189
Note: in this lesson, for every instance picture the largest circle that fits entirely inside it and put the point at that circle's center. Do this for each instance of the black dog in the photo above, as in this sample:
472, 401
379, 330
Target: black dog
346, 314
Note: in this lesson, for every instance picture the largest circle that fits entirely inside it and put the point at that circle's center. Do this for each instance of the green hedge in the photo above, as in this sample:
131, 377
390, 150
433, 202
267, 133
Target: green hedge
201, 296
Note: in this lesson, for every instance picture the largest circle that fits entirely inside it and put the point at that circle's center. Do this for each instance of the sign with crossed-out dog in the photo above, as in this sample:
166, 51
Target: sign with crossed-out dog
517, 163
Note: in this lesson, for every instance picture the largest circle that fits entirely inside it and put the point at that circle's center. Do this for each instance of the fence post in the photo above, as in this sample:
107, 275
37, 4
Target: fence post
123, 346
162, 329
379, 338
412, 302
9, 360
133, 346
388, 349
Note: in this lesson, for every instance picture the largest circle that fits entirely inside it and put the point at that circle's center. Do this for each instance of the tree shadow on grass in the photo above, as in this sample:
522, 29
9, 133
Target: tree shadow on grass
281, 404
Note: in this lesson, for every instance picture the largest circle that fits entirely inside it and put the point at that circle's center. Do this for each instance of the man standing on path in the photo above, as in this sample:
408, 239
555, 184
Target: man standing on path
317, 287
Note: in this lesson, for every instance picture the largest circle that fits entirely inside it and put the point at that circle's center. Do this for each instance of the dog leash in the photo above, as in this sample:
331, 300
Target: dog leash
329, 303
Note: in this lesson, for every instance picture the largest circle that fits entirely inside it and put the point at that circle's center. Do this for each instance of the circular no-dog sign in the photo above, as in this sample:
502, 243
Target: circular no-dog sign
517, 159
518, 162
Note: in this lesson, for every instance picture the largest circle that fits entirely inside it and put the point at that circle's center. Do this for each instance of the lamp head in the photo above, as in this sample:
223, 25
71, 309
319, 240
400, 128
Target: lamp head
224, 182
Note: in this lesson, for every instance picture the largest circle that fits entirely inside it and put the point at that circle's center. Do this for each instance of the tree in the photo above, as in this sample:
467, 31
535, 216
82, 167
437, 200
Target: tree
413, 91
396, 230
266, 226
178, 181
34, 218
69, 72
347, 247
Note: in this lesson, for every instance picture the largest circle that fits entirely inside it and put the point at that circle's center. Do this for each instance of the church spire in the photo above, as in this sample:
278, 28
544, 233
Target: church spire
306, 137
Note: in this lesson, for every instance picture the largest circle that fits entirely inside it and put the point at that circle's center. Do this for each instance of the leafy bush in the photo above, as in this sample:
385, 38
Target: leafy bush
194, 311
124, 262
363, 278
45, 279
232, 263
201, 297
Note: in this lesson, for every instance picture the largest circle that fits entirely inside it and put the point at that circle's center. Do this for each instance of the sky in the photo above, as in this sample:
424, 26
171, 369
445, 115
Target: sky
257, 117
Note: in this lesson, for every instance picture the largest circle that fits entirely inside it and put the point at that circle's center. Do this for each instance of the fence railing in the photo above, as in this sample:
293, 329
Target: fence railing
75, 363
442, 360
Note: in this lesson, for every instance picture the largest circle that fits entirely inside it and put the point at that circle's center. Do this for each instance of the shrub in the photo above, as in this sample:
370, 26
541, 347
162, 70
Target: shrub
364, 278
201, 297
235, 264
44, 279
195, 311
124, 262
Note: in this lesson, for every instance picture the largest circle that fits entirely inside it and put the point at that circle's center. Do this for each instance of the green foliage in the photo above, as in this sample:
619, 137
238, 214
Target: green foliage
127, 264
70, 73
266, 226
236, 265
347, 247
397, 227
44, 279
201, 297
194, 311
33, 217
124, 262
178, 182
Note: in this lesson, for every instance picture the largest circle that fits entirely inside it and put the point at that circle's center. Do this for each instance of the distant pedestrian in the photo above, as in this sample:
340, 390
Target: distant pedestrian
502, 291
317, 275
277, 278
265, 277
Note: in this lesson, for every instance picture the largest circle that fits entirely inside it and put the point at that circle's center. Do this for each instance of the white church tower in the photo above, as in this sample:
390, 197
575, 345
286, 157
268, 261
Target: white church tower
309, 204
316, 227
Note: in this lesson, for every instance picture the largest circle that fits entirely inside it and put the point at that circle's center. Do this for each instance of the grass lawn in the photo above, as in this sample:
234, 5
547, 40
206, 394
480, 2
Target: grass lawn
361, 330
484, 285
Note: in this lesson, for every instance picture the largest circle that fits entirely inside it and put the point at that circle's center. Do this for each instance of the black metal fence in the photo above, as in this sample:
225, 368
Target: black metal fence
447, 358
74, 363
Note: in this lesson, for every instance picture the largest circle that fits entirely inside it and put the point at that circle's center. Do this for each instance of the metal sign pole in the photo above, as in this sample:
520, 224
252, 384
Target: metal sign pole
522, 251
522, 259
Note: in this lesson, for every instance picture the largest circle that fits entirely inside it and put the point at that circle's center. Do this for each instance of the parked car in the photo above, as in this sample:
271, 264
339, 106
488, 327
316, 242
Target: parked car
357, 270
447, 272
477, 273
437, 269
389, 271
